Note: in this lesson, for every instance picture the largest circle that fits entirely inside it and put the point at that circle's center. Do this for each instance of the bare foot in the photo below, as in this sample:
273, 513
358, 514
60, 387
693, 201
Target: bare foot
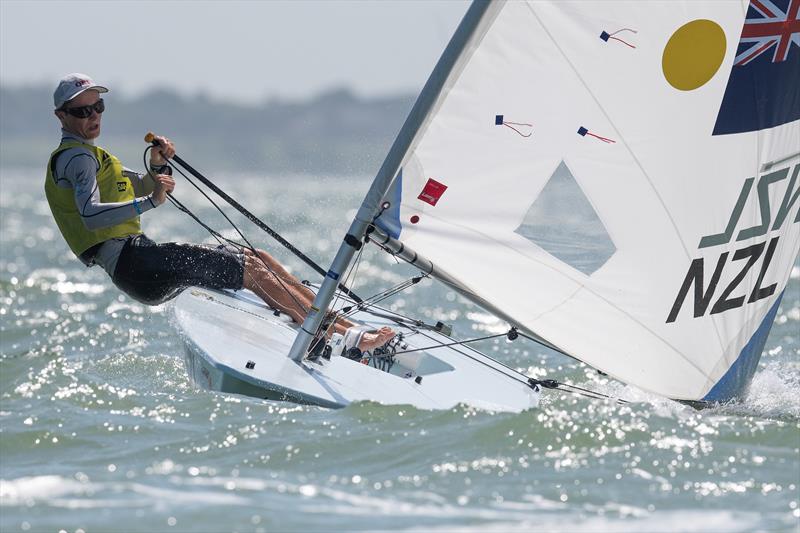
370, 341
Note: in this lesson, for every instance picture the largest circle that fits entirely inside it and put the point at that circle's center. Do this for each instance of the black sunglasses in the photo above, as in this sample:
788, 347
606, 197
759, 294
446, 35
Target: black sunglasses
85, 111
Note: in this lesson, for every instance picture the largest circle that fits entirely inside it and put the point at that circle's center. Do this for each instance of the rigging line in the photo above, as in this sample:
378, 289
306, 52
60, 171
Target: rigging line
186, 209
554, 384
444, 345
515, 374
400, 320
217, 207
398, 287
411, 323
180, 207
255, 220
524, 335
354, 268
281, 281
389, 293
394, 316
273, 302
379, 297
551, 384
419, 323
235, 227
557, 385
219, 237
214, 233
397, 318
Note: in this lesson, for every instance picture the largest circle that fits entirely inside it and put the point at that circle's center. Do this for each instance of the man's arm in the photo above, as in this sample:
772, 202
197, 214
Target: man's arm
81, 172
143, 184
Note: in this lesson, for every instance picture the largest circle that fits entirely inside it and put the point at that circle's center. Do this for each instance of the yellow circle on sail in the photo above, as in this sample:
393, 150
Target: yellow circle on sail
693, 54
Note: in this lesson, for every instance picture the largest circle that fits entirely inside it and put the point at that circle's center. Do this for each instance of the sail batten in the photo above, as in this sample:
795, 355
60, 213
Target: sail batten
585, 187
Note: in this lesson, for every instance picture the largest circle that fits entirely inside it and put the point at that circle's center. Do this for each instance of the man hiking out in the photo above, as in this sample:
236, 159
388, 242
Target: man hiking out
97, 204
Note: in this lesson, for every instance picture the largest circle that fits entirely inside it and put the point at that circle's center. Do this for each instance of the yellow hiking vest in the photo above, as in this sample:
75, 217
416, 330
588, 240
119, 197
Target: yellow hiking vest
113, 185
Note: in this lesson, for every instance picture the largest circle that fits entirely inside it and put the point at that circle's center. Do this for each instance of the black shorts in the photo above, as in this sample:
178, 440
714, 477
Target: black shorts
154, 273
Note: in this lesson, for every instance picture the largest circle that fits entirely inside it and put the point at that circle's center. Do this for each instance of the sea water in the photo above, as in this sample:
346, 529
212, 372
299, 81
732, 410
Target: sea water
101, 429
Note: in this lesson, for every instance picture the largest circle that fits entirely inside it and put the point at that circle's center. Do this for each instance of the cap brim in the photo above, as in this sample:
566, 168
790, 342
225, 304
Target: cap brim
98, 88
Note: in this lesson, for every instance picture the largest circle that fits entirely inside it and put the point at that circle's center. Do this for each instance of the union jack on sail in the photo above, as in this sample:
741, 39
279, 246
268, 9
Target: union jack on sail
773, 28
762, 90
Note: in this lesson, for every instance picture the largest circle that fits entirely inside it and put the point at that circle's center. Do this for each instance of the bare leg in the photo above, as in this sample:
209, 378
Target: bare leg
284, 274
292, 297
267, 287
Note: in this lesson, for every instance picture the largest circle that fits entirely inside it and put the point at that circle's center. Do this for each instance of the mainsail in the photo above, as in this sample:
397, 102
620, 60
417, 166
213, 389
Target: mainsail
619, 179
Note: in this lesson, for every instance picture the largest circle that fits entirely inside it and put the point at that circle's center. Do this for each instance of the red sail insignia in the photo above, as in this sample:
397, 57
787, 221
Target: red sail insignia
432, 192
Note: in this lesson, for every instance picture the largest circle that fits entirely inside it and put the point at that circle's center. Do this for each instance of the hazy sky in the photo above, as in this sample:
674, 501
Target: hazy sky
248, 50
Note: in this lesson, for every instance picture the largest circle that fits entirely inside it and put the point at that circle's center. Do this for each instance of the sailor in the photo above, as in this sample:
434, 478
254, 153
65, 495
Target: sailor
97, 204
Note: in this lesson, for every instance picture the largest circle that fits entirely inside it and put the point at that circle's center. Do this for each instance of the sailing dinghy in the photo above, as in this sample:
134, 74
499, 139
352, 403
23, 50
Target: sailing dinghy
616, 180
235, 344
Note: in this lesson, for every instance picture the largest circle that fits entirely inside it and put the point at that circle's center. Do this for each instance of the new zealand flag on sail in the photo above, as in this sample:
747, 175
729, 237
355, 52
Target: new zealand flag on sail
764, 86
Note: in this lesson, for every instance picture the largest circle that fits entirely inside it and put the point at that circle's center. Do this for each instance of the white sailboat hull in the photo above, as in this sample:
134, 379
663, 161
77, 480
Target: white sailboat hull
235, 344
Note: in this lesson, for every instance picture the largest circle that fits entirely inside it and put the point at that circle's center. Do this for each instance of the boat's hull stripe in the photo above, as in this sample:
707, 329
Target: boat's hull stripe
737, 379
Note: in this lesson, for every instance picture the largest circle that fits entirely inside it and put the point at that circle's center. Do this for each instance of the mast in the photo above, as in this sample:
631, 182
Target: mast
353, 240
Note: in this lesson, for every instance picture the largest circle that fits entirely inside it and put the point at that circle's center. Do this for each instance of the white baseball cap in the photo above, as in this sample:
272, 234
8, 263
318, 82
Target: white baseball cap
72, 85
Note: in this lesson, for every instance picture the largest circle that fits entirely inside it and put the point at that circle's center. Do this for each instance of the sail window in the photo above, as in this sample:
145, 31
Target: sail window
563, 223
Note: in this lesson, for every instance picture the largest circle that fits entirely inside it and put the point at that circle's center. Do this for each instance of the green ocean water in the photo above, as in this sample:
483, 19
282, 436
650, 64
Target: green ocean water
101, 429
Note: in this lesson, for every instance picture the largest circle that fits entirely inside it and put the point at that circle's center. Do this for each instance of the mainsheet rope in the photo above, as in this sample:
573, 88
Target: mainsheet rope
217, 235
511, 334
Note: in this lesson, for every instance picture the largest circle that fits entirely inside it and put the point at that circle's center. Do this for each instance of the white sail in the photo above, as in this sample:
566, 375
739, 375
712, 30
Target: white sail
619, 179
